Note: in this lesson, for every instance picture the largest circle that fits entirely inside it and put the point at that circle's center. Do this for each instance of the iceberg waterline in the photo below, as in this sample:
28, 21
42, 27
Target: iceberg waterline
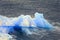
23, 23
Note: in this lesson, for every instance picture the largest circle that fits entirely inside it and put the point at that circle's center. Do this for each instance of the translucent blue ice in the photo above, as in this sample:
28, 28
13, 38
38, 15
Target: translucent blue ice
24, 23
41, 22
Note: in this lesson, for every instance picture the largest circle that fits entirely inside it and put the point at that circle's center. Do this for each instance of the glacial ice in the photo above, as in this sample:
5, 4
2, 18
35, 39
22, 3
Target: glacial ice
23, 22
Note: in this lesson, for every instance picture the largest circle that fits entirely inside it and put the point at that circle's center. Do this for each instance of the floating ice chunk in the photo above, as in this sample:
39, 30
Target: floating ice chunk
23, 22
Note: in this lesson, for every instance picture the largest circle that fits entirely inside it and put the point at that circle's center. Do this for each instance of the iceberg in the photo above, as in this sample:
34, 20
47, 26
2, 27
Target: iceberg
24, 23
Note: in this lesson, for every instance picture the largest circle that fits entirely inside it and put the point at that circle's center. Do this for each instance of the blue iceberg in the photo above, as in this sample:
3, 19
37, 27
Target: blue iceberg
24, 23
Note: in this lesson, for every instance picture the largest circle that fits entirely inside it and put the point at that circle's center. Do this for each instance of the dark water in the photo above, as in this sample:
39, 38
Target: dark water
50, 9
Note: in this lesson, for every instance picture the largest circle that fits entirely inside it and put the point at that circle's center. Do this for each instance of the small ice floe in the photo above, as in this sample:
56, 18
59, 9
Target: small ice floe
25, 23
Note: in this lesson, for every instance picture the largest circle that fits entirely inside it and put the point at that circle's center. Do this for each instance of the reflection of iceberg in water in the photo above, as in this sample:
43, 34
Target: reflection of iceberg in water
24, 23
